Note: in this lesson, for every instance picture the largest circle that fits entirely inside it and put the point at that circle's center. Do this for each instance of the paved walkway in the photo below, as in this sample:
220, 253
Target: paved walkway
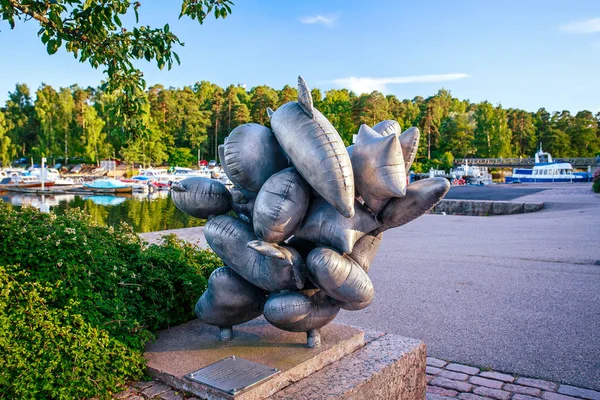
516, 293
446, 380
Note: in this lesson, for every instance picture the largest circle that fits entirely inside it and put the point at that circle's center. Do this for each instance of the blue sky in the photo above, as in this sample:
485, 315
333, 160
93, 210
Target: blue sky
525, 54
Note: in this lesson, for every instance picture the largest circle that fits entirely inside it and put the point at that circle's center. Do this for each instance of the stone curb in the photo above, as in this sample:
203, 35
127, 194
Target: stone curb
480, 385
483, 208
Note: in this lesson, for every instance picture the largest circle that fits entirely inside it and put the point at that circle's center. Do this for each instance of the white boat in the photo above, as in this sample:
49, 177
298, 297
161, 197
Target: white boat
546, 170
51, 175
436, 172
180, 173
472, 174
151, 174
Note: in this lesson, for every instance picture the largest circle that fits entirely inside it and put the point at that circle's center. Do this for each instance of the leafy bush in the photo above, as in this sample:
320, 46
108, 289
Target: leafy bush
79, 301
596, 180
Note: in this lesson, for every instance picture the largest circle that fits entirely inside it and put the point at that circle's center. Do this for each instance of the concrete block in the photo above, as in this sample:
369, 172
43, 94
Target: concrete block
491, 383
465, 369
506, 208
350, 363
532, 207
579, 392
538, 383
436, 362
498, 376
530, 391
457, 376
492, 393
459, 386
482, 208
391, 367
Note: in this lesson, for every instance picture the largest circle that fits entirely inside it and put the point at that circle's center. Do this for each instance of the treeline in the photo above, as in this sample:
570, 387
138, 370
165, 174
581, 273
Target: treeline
181, 124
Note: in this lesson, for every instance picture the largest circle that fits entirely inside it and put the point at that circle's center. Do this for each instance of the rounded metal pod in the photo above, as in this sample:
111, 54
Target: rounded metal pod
339, 276
421, 196
201, 197
229, 299
287, 307
252, 155
409, 139
316, 150
266, 265
324, 225
356, 306
388, 127
378, 166
280, 206
323, 310
365, 249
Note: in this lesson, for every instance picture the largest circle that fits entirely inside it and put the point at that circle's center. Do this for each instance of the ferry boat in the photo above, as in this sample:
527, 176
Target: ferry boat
546, 170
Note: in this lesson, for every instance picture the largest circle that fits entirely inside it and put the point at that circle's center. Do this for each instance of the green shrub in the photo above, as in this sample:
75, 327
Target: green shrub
596, 186
80, 301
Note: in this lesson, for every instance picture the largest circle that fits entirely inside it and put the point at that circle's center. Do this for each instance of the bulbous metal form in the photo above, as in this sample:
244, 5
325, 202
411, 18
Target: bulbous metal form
229, 299
285, 310
280, 206
421, 196
287, 307
365, 249
388, 127
379, 168
339, 276
316, 150
201, 197
409, 139
324, 225
252, 155
266, 265
298, 184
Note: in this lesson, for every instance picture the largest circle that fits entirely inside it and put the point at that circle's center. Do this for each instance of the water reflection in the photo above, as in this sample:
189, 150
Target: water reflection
144, 212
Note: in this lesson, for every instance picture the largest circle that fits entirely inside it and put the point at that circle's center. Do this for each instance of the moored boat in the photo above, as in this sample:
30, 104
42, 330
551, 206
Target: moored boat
23, 181
108, 186
471, 174
546, 170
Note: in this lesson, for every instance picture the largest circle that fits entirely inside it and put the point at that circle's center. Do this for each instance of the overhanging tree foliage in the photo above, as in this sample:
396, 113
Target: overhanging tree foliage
93, 32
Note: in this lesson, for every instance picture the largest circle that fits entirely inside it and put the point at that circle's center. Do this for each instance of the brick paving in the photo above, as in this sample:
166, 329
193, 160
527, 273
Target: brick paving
445, 381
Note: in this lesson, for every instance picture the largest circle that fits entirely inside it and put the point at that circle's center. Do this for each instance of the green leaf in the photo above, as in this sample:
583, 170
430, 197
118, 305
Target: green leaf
52, 46
166, 28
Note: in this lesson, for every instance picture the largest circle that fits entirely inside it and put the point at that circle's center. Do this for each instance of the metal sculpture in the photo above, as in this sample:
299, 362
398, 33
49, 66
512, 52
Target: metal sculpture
310, 217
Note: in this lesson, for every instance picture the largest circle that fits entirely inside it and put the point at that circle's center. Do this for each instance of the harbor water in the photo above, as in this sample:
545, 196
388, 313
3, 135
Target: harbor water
144, 212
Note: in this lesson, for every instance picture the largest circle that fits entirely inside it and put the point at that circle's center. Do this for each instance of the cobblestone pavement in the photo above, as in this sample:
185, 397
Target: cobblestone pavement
447, 380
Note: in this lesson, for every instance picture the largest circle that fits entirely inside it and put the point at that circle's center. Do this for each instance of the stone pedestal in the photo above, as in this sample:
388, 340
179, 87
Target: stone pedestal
350, 363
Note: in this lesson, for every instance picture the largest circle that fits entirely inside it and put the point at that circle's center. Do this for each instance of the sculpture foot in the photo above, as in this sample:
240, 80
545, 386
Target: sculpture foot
313, 338
226, 332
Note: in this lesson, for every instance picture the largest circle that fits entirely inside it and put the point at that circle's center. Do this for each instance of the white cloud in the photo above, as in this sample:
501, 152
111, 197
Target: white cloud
367, 85
588, 26
319, 19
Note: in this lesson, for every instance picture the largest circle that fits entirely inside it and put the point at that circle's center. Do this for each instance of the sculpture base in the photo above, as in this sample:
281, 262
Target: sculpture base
349, 362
